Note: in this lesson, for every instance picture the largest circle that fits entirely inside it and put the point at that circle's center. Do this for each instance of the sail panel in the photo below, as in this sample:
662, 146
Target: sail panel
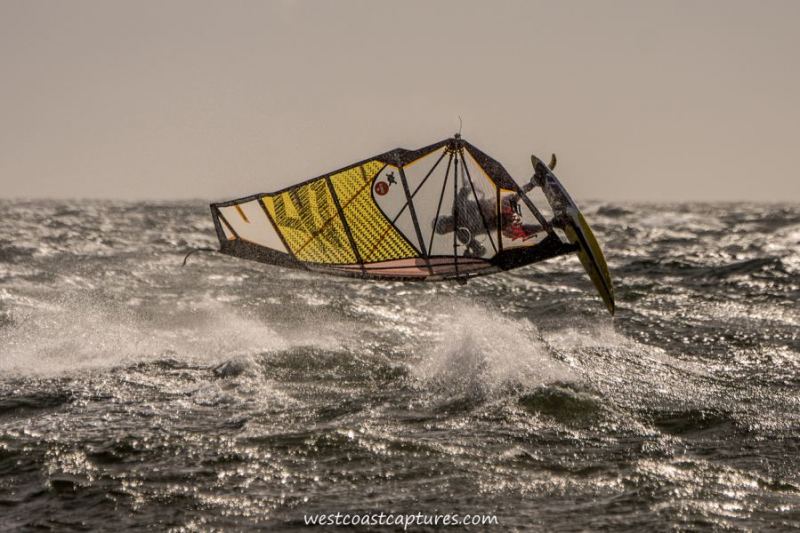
309, 223
375, 237
249, 221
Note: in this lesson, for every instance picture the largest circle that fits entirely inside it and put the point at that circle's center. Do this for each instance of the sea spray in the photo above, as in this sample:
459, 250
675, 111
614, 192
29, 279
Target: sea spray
480, 352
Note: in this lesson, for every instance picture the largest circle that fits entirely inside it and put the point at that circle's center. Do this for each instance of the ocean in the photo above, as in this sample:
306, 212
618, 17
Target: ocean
137, 394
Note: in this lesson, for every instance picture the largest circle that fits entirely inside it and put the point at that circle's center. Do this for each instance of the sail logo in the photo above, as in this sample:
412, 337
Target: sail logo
308, 220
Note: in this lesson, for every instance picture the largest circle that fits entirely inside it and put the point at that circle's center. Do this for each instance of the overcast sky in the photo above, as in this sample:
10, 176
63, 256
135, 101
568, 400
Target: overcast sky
641, 100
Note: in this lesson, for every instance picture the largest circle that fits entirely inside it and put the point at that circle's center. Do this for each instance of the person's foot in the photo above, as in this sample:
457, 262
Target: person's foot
444, 224
475, 249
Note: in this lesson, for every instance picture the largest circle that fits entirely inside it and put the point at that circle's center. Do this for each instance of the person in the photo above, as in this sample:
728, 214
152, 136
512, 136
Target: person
479, 217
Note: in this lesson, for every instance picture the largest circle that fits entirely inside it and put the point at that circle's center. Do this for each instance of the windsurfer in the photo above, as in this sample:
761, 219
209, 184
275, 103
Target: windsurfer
471, 218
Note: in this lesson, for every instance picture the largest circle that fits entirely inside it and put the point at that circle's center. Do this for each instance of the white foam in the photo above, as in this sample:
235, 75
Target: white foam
80, 333
478, 351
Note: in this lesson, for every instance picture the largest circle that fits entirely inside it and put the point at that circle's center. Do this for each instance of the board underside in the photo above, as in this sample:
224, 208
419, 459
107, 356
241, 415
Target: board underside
578, 232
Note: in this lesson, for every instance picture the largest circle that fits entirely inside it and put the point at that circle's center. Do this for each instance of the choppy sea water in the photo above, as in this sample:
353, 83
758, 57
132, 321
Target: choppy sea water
136, 394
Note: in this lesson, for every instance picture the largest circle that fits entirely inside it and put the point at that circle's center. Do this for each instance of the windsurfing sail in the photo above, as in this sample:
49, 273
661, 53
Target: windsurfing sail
445, 211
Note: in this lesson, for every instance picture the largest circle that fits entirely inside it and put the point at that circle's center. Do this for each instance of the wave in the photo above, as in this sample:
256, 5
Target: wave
80, 332
479, 352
